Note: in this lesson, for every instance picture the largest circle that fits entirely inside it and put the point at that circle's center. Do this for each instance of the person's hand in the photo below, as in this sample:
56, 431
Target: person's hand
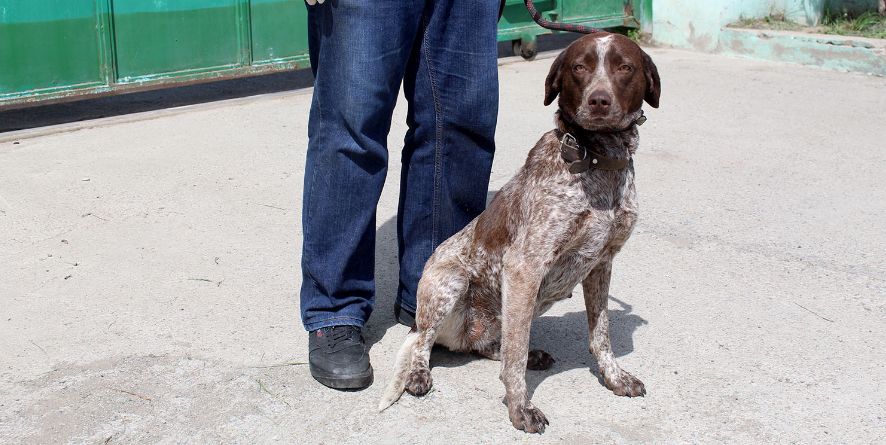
314, 2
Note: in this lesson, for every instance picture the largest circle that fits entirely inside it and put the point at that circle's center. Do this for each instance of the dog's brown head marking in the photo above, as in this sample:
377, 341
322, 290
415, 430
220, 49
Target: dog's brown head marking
602, 80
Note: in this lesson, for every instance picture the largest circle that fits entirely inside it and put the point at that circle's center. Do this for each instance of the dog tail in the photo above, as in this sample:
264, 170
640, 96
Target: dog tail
401, 371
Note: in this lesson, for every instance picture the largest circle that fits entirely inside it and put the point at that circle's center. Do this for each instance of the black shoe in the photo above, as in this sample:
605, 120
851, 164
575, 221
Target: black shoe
404, 316
338, 357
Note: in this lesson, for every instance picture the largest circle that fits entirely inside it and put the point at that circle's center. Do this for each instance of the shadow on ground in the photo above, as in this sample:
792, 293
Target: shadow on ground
387, 270
87, 109
566, 339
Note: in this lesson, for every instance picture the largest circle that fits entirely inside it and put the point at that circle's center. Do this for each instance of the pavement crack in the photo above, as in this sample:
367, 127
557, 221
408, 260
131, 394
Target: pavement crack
813, 312
279, 365
273, 207
134, 394
39, 347
265, 389
94, 216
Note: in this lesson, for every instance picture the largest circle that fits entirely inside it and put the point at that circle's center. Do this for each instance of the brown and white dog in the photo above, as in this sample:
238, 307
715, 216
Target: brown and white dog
559, 222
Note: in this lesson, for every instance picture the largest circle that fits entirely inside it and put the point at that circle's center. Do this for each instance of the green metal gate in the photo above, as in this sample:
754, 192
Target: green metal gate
53, 50
517, 26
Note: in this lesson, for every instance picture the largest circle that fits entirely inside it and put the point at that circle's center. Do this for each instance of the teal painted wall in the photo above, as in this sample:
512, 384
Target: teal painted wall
806, 12
696, 24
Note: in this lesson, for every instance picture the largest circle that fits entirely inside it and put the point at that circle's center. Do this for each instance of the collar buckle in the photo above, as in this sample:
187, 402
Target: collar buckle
569, 141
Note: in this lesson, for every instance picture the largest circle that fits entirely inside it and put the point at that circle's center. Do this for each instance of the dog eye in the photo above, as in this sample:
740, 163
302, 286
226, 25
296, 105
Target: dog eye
579, 68
626, 68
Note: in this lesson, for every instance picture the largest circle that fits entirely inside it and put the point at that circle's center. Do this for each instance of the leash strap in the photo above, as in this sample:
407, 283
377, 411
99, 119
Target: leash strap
536, 16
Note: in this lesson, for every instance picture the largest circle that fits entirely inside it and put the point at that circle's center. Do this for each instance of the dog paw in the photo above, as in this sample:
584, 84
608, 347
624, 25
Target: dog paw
419, 382
624, 384
539, 360
529, 419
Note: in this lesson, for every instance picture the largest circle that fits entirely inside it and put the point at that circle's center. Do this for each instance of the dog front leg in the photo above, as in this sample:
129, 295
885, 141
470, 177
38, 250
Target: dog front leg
520, 284
596, 292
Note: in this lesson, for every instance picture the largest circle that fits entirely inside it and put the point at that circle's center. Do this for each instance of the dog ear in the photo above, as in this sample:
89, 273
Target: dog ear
552, 83
653, 82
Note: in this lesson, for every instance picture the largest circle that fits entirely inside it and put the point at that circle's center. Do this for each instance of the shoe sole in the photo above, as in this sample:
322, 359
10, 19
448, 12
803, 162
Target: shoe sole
356, 381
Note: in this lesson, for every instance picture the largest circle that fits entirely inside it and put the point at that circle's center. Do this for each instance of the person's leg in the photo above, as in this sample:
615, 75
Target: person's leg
452, 87
359, 51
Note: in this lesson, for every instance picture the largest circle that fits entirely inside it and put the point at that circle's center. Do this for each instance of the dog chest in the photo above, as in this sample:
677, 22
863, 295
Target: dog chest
598, 234
609, 215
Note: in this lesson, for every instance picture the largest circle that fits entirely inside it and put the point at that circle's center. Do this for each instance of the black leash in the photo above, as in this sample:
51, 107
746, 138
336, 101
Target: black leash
527, 48
536, 16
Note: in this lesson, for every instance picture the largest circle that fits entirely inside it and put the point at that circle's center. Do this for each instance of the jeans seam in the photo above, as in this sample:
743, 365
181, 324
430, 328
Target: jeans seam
307, 209
438, 142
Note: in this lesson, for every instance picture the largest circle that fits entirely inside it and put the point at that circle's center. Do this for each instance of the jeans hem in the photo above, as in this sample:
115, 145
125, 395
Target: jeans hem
399, 302
334, 321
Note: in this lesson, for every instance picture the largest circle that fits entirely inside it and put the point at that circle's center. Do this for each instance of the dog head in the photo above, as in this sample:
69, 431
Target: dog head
602, 80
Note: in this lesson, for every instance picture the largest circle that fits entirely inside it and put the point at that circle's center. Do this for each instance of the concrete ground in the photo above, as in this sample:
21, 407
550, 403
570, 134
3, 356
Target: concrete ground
149, 275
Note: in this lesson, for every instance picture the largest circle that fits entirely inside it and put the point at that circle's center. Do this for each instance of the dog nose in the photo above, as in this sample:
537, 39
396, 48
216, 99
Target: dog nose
599, 102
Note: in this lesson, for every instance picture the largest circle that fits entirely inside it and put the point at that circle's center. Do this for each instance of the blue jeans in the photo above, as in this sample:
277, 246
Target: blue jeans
444, 52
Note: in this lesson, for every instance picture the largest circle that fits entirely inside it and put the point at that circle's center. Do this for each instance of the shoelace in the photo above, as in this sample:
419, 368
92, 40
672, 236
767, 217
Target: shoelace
341, 334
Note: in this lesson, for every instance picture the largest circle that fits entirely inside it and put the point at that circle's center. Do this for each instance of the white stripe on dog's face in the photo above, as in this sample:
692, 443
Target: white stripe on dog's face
602, 79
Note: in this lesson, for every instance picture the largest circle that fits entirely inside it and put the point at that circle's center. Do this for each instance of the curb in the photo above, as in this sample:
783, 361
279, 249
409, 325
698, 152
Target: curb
30, 133
833, 52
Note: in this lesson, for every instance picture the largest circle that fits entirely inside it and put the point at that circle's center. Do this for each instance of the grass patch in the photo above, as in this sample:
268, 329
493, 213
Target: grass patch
870, 24
634, 34
775, 22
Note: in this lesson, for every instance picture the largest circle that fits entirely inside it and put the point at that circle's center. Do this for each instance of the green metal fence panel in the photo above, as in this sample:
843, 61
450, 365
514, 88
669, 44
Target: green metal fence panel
163, 38
49, 45
278, 31
516, 22
599, 13
517, 25
59, 49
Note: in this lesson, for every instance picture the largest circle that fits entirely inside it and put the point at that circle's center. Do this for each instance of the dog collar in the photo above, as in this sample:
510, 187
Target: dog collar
581, 159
